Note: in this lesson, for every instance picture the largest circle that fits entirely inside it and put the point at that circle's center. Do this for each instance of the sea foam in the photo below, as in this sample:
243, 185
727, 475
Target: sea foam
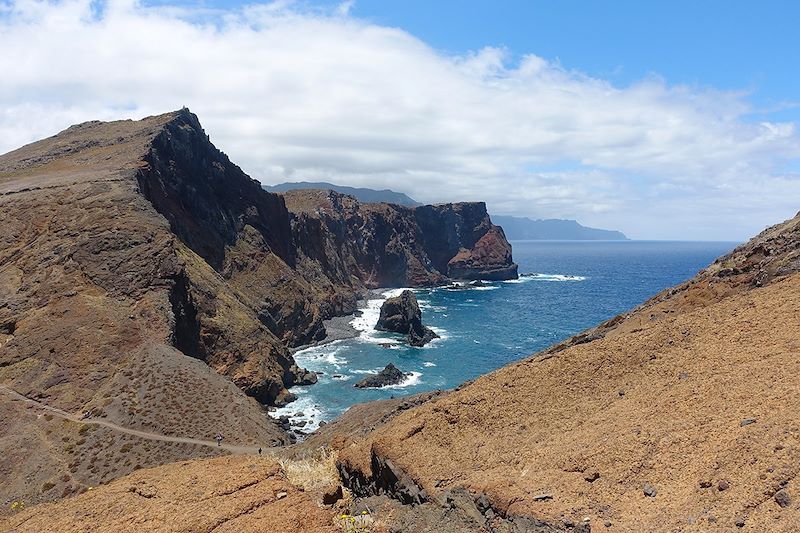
370, 313
525, 278
305, 404
413, 378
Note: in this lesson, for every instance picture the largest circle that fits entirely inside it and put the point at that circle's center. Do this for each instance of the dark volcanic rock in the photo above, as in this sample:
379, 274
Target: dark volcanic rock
783, 499
489, 259
387, 245
401, 314
391, 375
301, 376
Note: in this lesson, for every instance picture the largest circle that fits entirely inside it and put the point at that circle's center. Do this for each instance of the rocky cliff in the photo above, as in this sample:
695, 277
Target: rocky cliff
143, 275
388, 245
681, 415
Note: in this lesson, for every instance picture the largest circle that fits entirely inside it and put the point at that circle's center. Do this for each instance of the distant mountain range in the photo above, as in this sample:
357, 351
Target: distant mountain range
516, 228
521, 228
362, 194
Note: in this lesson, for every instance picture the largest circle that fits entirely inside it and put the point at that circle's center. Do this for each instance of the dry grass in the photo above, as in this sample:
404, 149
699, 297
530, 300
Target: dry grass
314, 473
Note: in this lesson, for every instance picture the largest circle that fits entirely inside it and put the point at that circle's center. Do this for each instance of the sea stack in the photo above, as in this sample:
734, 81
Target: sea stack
391, 375
401, 314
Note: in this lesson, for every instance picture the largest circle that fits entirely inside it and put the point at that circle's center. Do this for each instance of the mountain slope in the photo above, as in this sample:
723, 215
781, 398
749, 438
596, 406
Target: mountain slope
147, 279
521, 228
226, 494
94, 312
679, 416
362, 194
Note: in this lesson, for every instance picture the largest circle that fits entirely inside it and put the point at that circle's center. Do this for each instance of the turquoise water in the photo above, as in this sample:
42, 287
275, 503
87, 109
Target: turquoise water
572, 286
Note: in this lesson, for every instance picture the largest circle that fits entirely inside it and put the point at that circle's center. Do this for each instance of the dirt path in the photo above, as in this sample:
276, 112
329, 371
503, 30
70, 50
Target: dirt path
239, 450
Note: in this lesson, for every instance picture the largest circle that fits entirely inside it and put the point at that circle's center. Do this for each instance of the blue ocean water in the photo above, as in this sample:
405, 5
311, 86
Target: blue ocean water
568, 286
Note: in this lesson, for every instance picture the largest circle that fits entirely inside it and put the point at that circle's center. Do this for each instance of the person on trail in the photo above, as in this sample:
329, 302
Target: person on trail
259, 450
218, 438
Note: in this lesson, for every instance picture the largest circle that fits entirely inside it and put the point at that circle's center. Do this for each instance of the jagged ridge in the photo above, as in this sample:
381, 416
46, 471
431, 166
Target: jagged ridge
128, 245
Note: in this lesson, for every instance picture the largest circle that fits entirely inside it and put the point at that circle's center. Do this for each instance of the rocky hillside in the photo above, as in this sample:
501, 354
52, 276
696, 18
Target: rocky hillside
679, 416
232, 494
148, 280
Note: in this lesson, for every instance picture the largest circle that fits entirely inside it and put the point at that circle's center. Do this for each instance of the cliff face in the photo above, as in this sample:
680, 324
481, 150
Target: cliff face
100, 304
127, 246
387, 245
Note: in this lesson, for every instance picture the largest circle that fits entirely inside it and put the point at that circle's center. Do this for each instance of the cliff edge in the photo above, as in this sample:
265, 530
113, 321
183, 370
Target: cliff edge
146, 280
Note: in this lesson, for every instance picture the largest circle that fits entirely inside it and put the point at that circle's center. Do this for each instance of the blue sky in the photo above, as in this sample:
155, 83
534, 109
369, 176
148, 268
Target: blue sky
666, 120
749, 46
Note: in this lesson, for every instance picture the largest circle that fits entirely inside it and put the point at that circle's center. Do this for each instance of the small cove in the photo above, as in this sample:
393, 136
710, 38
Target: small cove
567, 286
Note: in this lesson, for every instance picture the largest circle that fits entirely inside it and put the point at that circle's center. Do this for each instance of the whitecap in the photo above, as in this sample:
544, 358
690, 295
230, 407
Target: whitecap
443, 333
413, 378
332, 360
428, 364
305, 404
370, 313
524, 278
360, 371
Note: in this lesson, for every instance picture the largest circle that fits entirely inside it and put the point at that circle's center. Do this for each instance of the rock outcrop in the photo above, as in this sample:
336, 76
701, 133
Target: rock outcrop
387, 245
489, 259
391, 375
401, 314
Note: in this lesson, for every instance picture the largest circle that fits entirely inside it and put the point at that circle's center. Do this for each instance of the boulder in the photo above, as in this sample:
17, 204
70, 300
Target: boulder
301, 376
489, 259
391, 375
401, 314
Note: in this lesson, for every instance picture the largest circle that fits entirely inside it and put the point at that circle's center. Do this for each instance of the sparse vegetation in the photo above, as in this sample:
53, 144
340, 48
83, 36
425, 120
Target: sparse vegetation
17, 505
313, 473
362, 523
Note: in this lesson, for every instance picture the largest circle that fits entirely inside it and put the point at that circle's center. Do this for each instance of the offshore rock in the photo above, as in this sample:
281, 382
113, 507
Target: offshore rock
391, 375
401, 314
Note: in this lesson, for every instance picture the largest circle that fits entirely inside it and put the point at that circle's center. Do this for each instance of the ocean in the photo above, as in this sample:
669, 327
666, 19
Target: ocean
564, 288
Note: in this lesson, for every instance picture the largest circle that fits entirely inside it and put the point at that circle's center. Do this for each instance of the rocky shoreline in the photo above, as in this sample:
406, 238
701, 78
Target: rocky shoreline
338, 328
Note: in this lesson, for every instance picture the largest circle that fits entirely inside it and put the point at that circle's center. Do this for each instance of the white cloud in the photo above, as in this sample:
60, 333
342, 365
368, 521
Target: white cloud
293, 93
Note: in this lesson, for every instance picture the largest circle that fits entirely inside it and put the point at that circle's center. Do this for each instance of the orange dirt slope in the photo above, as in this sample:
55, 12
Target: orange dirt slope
695, 395
235, 494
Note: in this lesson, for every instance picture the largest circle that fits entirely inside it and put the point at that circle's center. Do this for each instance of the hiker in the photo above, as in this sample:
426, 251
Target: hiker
218, 438
259, 450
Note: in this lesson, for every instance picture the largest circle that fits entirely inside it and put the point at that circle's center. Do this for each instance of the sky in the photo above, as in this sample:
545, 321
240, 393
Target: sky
668, 120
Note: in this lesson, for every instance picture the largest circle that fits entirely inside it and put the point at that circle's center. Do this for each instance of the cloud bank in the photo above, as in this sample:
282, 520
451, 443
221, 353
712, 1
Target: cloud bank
292, 93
